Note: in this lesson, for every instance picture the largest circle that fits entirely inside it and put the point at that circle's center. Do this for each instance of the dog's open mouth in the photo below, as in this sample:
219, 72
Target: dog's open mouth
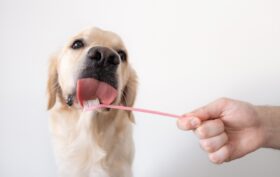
92, 89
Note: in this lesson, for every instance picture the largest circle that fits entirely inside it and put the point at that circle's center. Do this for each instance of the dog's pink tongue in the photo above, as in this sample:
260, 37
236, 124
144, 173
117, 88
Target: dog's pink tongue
89, 89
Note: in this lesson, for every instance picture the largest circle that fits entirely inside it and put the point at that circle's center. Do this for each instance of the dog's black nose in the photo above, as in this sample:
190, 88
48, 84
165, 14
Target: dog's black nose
103, 56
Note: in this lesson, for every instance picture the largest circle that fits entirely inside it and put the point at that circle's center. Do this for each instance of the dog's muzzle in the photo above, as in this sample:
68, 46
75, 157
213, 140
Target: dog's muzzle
98, 79
101, 64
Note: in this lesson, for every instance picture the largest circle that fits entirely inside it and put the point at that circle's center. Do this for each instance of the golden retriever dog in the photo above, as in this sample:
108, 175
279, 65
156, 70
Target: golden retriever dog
92, 143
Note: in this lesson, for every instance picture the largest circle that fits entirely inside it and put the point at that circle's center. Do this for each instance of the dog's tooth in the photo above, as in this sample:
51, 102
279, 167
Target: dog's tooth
94, 102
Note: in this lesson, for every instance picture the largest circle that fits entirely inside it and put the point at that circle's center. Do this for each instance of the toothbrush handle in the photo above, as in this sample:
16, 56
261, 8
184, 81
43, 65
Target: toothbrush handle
134, 109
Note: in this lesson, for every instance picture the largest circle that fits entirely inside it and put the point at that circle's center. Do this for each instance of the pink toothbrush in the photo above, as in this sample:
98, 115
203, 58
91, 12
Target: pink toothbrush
89, 107
90, 91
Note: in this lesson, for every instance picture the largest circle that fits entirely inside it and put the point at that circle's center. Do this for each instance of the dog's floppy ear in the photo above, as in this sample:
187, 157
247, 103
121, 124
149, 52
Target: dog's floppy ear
129, 91
52, 86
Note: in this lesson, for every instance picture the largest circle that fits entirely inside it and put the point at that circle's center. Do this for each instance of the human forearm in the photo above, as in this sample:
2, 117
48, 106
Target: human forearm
270, 118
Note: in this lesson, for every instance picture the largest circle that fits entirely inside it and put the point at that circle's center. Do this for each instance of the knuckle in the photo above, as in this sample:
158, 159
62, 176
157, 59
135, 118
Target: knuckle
207, 146
223, 100
201, 110
227, 152
225, 137
201, 132
219, 123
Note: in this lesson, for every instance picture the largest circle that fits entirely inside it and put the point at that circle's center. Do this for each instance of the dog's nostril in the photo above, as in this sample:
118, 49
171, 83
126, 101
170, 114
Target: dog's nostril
113, 59
103, 57
97, 56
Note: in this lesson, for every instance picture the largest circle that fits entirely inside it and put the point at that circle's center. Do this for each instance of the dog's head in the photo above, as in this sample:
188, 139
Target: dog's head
92, 60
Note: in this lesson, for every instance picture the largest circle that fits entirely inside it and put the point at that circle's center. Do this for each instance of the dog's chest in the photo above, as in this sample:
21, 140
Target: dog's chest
84, 149
77, 150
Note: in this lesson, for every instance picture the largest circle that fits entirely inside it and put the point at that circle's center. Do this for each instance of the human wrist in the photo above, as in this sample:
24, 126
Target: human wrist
269, 117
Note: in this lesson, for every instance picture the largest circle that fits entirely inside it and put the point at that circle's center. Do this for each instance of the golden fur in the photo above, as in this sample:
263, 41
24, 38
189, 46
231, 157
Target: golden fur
90, 144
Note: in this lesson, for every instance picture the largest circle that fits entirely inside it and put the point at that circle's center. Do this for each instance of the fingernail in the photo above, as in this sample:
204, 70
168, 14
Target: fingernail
216, 158
180, 125
213, 158
195, 122
221, 155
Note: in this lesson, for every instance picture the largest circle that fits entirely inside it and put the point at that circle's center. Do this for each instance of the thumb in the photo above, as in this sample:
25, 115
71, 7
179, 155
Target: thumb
213, 110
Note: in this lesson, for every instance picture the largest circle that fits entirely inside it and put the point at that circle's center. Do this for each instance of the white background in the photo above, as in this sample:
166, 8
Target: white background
186, 53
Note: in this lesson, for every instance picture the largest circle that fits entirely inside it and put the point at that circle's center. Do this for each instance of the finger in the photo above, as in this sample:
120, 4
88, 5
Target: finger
188, 123
210, 129
221, 155
211, 111
213, 144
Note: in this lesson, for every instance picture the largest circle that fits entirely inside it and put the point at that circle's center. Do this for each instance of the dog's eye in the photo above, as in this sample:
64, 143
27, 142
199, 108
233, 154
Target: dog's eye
123, 55
77, 44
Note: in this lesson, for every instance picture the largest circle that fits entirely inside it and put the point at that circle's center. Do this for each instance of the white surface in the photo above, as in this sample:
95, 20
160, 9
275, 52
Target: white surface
186, 53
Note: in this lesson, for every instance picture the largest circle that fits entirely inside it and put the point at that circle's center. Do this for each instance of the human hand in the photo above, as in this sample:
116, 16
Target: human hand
228, 129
